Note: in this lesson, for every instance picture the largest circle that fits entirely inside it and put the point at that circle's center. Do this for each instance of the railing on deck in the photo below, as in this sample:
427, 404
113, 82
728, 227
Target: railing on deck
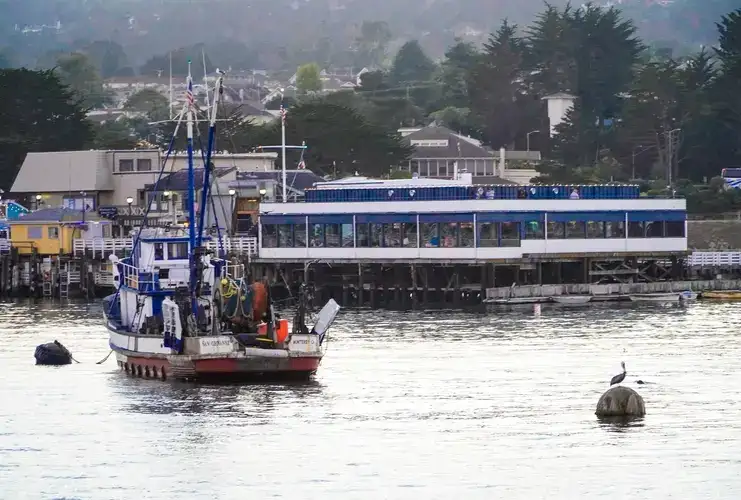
714, 259
103, 247
4, 245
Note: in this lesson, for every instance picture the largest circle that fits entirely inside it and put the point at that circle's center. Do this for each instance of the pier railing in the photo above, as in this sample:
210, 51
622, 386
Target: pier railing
103, 247
714, 259
4, 245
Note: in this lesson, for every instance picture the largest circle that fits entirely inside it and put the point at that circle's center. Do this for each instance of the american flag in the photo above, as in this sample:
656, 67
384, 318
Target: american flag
283, 113
189, 93
301, 165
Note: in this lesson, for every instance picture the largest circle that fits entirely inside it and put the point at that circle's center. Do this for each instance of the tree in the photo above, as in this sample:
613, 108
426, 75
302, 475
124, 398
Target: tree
41, 114
115, 134
498, 94
339, 140
411, 65
149, 101
76, 71
590, 52
108, 57
371, 43
459, 62
308, 78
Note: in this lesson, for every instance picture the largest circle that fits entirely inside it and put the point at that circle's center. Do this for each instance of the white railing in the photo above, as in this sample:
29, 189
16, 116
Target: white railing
4, 245
239, 245
103, 247
714, 259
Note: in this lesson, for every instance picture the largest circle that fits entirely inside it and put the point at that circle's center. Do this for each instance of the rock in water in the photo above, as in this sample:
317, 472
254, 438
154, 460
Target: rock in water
621, 401
52, 353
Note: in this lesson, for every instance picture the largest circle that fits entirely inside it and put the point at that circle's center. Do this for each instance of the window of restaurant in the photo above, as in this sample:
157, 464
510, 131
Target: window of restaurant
348, 236
576, 230
269, 236
595, 229
332, 235
285, 235
510, 234
430, 233
674, 229
556, 230
316, 235
410, 235
534, 230
488, 234
615, 229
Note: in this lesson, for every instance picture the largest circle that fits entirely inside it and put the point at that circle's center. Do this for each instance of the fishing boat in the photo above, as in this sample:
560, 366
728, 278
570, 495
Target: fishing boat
181, 312
722, 295
655, 297
571, 300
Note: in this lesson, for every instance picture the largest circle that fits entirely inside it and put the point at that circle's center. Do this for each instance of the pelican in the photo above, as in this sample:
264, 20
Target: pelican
620, 377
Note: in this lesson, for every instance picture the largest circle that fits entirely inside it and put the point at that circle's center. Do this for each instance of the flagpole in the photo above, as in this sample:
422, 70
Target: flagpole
283, 145
283, 153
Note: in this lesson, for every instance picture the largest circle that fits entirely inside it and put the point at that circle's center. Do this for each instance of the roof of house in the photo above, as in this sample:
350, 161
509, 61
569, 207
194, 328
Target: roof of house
55, 214
178, 181
63, 171
457, 146
299, 180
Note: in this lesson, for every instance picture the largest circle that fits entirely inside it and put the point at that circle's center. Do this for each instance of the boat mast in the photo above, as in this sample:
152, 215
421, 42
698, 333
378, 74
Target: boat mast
207, 162
190, 103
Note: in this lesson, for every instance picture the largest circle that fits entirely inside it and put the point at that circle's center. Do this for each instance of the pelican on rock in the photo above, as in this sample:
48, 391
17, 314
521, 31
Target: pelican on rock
620, 377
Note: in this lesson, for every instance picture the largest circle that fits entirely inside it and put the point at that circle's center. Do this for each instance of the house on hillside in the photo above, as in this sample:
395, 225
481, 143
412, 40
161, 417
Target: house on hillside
438, 151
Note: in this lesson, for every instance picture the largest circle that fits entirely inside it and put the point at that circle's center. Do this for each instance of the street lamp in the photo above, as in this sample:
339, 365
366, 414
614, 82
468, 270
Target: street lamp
38, 201
232, 192
528, 137
263, 192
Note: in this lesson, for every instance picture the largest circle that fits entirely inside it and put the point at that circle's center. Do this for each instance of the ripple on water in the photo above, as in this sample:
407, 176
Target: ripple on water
406, 405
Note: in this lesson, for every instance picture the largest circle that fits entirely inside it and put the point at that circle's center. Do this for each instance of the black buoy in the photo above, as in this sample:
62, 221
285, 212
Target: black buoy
53, 353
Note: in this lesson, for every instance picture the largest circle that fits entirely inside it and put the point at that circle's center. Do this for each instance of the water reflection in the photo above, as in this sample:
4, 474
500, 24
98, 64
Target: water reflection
422, 404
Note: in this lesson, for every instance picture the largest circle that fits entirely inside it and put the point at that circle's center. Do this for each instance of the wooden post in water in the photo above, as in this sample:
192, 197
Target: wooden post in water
360, 285
415, 300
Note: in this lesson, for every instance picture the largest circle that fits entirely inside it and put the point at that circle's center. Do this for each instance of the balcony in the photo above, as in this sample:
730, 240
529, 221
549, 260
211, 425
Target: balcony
103, 247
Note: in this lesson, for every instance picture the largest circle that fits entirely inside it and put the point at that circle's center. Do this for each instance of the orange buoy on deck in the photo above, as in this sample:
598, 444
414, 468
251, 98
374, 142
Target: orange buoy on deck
259, 300
281, 333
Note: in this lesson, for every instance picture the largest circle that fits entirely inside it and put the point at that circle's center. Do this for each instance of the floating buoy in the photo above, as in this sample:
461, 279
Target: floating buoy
621, 401
53, 353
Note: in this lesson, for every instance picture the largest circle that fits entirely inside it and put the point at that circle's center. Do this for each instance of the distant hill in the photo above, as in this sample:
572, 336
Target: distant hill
278, 30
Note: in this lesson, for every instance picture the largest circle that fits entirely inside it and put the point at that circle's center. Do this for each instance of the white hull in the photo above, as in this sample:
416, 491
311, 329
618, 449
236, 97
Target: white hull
572, 300
655, 297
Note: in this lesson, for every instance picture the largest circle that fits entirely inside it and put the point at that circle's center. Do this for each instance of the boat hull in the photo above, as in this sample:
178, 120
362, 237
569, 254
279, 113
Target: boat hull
218, 369
658, 297
729, 295
572, 300
249, 363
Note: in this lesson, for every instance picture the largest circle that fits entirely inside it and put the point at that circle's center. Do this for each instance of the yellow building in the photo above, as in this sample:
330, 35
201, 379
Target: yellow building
51, 231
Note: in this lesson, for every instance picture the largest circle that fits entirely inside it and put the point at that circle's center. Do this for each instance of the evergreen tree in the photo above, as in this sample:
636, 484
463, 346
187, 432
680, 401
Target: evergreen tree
411, 66
40, 114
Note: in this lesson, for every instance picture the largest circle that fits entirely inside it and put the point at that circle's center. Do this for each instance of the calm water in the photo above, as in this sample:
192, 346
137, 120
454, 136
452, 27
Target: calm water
417, 406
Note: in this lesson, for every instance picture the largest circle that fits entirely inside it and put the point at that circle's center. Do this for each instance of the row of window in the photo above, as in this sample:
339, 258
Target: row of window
174, 251
138, 165
456, 234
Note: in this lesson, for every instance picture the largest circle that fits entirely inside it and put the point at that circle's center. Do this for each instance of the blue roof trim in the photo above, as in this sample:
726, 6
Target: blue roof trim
432, 218
606, 216
386, 218
283, 219
330, 219
510, 216
657, 215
